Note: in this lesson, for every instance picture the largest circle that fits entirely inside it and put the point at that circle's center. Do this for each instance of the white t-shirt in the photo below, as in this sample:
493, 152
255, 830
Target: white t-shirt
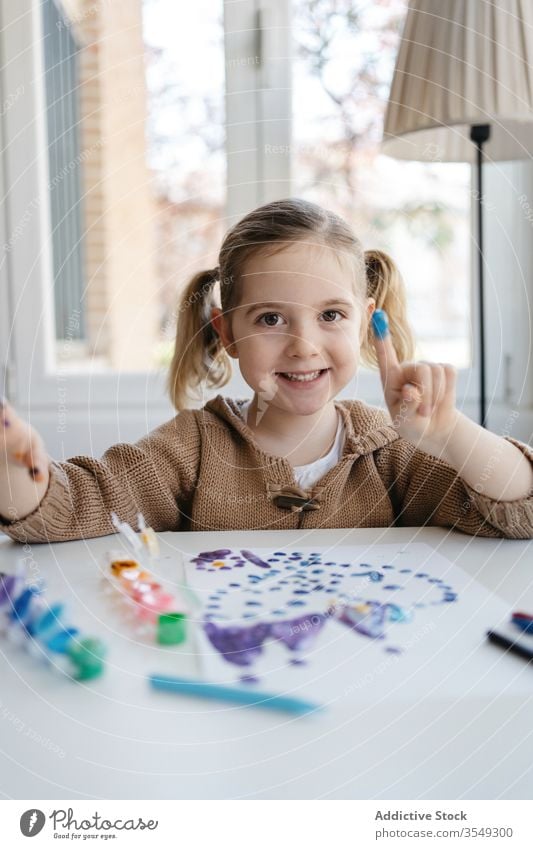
307, 475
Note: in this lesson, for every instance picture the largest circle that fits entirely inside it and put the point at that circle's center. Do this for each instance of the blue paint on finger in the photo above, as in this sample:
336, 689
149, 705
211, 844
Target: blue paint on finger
380, 323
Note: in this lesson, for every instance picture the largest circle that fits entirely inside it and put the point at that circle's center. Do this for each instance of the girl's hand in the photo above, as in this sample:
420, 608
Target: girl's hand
420, 396
20, 444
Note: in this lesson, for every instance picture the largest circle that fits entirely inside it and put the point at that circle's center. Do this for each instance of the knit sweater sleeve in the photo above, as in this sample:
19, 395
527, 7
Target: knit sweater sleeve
426, 490
153, 476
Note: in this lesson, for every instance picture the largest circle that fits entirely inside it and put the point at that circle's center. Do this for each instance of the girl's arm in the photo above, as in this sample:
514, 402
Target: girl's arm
488, 463
154, 476
421, 401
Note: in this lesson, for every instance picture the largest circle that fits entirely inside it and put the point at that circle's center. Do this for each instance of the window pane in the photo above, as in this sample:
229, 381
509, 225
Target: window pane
137, 176
419, 213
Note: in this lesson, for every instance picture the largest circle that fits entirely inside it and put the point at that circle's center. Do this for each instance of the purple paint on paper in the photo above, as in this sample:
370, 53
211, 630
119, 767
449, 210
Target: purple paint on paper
371, 623
253, 558
219, 554
207, 557
243, 644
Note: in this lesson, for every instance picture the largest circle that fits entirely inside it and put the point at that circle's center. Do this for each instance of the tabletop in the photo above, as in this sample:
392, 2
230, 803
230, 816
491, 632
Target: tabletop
113, 738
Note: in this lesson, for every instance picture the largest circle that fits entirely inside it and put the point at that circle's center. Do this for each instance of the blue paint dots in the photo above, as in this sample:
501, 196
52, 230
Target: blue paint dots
253, 604
392, 587
405, 571
295, 603
393, 650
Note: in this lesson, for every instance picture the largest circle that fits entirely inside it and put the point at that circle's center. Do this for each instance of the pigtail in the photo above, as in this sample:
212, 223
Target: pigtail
385, 284
199, 354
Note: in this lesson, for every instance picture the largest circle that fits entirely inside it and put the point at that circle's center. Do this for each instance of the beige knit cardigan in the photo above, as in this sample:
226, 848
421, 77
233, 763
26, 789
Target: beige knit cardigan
204, 471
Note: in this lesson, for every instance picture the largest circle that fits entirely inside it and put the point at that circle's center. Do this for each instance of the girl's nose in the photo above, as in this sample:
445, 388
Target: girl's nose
302, 344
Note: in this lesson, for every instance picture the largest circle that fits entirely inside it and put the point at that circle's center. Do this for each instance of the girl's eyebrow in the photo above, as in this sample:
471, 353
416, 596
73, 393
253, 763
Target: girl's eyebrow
330, 303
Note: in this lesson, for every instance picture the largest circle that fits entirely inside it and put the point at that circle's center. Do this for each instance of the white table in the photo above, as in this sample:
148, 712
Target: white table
114, 738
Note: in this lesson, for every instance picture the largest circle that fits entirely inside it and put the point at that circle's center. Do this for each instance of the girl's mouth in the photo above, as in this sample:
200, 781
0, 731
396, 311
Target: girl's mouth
301, 381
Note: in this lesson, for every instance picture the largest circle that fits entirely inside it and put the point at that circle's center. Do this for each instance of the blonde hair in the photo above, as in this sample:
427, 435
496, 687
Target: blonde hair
199, 355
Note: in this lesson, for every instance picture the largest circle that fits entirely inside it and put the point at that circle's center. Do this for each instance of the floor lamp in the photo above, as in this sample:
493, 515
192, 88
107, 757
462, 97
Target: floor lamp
462, 92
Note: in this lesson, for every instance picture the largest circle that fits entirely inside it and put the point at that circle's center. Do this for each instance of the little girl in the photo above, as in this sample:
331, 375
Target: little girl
301, 304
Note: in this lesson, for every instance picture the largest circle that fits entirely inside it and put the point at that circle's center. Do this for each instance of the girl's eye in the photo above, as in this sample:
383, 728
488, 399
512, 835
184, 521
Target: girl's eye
268, 315
337, 312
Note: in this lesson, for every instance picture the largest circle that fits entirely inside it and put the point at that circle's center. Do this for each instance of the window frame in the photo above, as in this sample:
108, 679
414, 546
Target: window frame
252, 27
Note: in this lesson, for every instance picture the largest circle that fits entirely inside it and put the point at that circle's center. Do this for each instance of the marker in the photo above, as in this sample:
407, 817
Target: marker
521, 615
523, 621
380, 323
239, 695
510, 645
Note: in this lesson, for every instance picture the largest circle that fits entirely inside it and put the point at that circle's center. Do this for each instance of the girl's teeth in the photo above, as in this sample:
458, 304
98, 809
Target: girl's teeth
301, 377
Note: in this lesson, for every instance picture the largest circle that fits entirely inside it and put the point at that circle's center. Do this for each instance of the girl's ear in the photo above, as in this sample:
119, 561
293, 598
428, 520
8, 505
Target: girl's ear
223, 330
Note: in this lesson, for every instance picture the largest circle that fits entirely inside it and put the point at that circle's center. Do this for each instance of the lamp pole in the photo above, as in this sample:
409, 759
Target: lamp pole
479, 134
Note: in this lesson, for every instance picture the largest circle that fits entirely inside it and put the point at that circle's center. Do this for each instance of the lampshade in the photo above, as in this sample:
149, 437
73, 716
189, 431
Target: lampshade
461, 63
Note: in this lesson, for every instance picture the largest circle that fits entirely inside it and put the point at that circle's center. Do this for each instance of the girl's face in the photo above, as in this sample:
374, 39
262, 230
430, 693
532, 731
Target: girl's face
312, 325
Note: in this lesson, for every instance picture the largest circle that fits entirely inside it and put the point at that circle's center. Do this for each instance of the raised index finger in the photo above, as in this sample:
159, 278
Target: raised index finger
388, 362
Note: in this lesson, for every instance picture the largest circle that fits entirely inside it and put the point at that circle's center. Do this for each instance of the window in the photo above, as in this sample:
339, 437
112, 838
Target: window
153, 129
135, 131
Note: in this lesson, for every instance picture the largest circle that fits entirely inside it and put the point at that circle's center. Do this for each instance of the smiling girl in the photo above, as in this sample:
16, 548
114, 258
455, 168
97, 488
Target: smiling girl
301, 306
